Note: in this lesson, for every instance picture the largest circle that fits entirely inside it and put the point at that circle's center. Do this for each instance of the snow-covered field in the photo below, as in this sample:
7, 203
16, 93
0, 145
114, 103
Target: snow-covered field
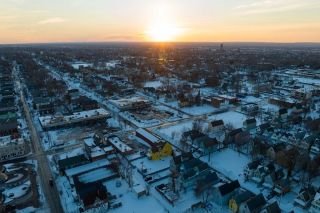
154, 84
151, 166
228, 162
174, 132
199, 110
231, 164
130, 201
236, 119
79, 64
16, 192
251, 99
307, 80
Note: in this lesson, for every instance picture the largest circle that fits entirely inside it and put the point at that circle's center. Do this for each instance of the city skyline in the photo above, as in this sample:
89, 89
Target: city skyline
35, 21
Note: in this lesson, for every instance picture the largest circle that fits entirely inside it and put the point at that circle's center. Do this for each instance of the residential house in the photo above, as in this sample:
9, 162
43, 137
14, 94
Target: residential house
238, 198
281, 102
230, 138
188, 169
223, 192
12, 148
8, 125
218, 102
251, 109
283, 114
315, 205
193, 136
282, 186
253, 205
217, 125
93, 151
271, 179
305, 197
88, 193
119, 145
259, 174
263, 127
159, 147
206, 182
208, 145
251, 168
70, 160
250, 124
272, 208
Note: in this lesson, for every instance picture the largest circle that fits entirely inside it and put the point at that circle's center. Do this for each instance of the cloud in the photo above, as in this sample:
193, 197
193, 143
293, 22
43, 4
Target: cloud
123, 37
54, 20
270, 6
7, 17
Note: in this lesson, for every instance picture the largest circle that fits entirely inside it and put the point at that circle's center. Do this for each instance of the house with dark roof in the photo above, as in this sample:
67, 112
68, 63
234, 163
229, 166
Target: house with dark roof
73, 161
251, 167
159, 148
271, 179
305, 197
88, 193
230, 137
272, 208
217, 125
207, 144
8, 125
224, 191
253, 205
208, 179
283, 113
263, 127
315, 205
250, 124
238, 198
193, 136
188, 169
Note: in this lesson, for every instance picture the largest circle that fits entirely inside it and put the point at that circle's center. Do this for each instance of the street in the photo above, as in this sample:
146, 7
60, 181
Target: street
51, 194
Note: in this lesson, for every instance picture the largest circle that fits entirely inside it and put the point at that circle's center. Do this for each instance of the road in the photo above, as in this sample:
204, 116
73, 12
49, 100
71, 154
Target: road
51, 194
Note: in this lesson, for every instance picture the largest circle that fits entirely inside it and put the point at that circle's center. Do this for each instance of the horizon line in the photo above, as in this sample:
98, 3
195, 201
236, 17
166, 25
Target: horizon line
155, 42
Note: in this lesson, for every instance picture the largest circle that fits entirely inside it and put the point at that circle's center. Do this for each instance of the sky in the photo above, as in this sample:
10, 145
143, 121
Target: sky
38, 21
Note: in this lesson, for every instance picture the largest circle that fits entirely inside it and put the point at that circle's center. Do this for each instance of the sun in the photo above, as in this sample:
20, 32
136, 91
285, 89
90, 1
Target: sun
162, 31
162, 26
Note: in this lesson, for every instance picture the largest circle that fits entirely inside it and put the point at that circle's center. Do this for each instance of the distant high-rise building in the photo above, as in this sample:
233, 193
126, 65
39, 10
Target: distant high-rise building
221, 47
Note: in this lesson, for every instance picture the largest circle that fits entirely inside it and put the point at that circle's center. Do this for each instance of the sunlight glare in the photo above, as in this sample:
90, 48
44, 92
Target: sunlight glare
163, 27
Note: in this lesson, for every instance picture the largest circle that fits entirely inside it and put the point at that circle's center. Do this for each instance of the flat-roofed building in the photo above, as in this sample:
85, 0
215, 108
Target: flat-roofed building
12, 148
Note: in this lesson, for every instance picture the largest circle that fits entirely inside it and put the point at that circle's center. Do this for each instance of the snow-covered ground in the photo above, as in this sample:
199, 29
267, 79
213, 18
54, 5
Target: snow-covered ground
140, 123
236, 119
231, 164
28, 210
174, 131
16, 192
79, 64
251, 99
151, 166
307, 80
228, 162
194, 110
130, 201
154, 84
199, 110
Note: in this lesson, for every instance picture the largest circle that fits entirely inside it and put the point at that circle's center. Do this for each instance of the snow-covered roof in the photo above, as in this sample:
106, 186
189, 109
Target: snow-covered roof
119, 145
96, 175
89, 142
87, 167
74, 152
7, 141
53, 121
148, 135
